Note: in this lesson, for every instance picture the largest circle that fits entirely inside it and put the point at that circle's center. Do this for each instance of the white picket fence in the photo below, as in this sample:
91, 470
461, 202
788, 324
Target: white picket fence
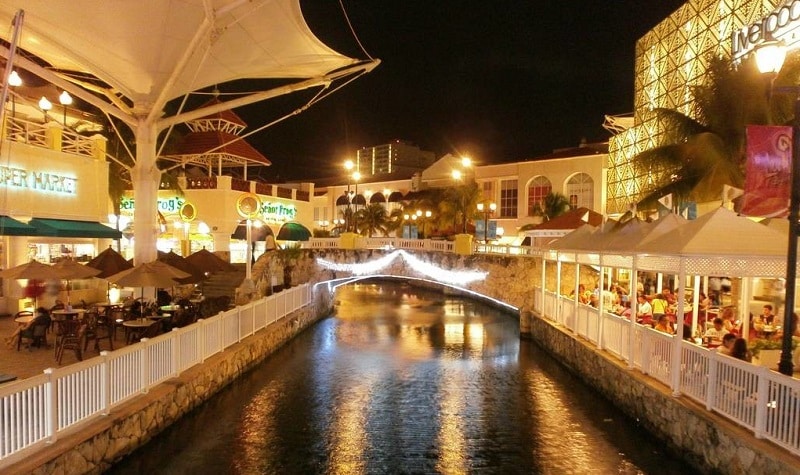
765, 402
438, 245
36, 410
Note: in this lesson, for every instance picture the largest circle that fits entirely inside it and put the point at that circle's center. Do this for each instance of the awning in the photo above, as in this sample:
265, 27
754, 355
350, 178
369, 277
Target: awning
12, 227
72, 229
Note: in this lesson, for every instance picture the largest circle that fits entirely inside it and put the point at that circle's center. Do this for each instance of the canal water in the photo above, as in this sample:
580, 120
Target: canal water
404, 380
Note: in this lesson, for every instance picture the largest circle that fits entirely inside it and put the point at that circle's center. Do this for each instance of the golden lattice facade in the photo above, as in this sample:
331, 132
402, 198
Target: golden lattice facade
671, 59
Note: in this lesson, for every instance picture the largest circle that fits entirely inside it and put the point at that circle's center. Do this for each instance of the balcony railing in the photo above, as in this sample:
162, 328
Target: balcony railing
53, 136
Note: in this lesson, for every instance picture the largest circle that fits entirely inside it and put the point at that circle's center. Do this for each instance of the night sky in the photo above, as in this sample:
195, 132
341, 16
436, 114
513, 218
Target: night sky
500, 81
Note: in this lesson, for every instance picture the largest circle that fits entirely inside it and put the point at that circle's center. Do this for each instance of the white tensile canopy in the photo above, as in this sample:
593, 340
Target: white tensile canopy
146, 53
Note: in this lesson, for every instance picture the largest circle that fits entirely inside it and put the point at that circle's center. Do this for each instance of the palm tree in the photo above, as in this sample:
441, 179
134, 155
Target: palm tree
461, 202
553, 205
372, 219
703, 155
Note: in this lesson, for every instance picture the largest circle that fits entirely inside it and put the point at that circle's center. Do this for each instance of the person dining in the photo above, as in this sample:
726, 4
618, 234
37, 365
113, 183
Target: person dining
714, 335
644, 311
669, 296
659, 304
41, 317
763, 323
664, 325
727, 344
740, 351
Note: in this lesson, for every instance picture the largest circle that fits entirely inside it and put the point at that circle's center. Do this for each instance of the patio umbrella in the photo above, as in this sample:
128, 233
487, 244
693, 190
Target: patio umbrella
293, 232
208, 261
33, 270
150, 274
256, 233
30, 270
69, 269
193, 273
109, 262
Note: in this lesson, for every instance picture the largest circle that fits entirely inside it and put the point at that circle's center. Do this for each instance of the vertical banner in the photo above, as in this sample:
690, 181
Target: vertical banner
769, 171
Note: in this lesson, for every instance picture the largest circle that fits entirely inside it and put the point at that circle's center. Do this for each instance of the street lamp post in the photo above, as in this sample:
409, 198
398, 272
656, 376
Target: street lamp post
486, 210
14, 81
356, 177
406, 217
459, 177
348, 165
65, 99
769, 58
45, 106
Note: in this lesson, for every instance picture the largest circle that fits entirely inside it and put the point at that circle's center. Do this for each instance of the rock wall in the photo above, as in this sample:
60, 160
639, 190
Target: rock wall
709, 442
512, 277
94, 447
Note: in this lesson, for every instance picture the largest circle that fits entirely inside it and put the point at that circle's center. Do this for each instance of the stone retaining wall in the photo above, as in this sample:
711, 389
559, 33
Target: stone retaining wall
95, 446
709, 442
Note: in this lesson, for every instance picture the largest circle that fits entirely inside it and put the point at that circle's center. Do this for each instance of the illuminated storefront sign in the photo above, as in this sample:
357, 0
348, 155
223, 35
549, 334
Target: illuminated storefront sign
782, 24
278, 211
37, 181
165, 205
269, 211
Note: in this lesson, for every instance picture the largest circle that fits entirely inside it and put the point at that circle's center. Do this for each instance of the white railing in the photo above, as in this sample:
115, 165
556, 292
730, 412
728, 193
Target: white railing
438, 245
35, 410
550, 305
763, 401
35, 133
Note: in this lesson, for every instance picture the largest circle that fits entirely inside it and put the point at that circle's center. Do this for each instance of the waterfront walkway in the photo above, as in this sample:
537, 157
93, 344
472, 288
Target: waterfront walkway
27, 363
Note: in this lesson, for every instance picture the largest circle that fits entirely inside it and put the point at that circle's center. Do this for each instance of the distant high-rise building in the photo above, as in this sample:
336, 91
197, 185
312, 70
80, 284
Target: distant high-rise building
393, 157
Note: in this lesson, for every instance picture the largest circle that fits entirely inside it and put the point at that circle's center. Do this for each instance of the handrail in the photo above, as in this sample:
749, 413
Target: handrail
36, 410
763, 401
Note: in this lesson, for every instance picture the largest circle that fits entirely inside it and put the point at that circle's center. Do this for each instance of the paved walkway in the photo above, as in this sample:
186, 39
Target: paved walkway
30, 362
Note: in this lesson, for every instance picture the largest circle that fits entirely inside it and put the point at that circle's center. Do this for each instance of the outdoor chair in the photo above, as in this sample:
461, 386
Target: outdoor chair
72, 337
152, 331
36, 333
116, 316
98, 328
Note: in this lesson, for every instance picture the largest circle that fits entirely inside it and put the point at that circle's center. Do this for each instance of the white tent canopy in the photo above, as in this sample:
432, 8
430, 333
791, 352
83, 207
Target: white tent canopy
148, 52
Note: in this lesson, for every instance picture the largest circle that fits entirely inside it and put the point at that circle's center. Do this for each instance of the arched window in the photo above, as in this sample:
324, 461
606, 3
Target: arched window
580, 191
537, 190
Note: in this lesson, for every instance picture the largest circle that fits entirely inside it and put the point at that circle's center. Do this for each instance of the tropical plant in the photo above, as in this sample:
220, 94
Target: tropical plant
701, 156
288, 256
553, 205
394, 222
372, 219
460, 204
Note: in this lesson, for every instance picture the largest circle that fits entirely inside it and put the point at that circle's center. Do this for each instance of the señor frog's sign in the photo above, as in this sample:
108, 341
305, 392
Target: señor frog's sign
270, 211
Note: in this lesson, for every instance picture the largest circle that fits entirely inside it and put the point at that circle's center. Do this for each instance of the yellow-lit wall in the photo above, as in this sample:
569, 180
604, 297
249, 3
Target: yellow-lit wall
670, 60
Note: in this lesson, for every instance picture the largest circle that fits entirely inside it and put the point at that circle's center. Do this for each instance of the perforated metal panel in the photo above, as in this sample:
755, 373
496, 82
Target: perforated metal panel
671, 59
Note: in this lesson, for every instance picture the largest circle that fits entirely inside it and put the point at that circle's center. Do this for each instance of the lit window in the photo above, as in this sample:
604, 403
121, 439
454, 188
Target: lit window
509, 192
539, 188
580, 189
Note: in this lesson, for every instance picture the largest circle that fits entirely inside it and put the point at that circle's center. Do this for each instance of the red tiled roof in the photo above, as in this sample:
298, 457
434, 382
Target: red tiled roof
227, 115
199, 143
572, 220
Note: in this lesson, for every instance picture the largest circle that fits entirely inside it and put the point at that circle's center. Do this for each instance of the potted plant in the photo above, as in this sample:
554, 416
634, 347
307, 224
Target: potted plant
287, 256
767, 352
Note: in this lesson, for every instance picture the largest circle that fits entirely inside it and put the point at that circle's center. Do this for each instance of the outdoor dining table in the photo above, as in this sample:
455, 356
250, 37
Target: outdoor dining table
134, 327
24, 320
64, 314
103, 307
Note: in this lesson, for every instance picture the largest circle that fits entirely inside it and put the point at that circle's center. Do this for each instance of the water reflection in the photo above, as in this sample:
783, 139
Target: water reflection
405, 381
